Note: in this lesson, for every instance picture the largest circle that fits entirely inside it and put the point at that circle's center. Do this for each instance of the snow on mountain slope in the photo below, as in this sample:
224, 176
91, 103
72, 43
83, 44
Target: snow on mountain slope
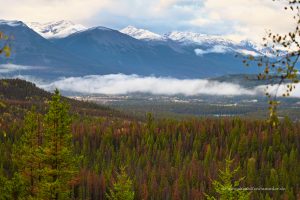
28, 48
257, 47
141, 34
11, 23
214, 44
57, 29
205, 43
102, 50
198, 38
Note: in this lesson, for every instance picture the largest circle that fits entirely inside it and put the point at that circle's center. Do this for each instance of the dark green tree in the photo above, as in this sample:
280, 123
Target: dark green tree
26, 153
58, 158
13, 188
5, 187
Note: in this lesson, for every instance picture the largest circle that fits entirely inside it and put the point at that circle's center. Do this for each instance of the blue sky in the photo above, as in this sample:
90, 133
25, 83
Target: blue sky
236, 19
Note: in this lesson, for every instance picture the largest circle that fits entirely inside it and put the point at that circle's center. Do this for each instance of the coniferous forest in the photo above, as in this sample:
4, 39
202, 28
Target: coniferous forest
54, 147
92, 152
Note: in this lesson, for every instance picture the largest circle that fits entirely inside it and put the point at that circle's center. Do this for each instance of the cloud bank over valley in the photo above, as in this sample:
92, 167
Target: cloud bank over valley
120, 84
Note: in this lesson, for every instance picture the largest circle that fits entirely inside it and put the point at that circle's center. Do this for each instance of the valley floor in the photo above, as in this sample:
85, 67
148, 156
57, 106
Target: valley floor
181, 107
165, 158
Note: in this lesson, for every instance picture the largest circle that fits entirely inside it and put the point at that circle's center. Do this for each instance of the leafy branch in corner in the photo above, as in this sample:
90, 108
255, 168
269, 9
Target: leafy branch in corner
6, 51
279, 64
5, 48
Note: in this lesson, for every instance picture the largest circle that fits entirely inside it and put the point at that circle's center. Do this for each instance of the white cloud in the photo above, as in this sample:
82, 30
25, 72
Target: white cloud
223, 49
115, 84
124, 84
248, 19
215, 49
163, 4
49, 10
247, 52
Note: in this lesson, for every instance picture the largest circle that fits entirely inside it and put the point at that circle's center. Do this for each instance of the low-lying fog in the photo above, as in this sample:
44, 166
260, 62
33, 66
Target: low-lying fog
120, 84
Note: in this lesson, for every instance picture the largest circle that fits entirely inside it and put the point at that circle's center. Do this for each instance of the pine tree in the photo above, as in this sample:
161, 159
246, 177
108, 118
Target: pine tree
18, 187
225, 188
5, 187
122, 188
57, 154
13, 188
26, 155
207, 157
251, 171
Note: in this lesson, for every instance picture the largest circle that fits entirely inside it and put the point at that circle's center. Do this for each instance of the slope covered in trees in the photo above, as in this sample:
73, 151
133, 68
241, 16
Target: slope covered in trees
17, 96
168, 159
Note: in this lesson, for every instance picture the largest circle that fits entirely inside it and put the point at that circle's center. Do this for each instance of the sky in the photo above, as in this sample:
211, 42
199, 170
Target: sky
235, 19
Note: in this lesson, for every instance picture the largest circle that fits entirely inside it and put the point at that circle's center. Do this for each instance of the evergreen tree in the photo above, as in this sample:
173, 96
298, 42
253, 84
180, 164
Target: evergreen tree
57, 153
26, 155
251, 171
122, 188
18, 188
5, 187
13, 188
226, 188
207, 157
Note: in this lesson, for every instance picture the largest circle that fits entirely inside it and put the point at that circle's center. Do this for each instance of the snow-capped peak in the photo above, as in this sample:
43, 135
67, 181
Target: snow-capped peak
58, 29
199, 38
11, 22
141, 34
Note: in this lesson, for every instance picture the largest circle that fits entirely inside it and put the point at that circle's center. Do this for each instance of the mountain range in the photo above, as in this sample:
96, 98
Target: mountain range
63, 48
56, 29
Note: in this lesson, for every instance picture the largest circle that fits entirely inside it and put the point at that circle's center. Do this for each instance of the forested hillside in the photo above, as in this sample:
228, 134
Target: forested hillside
165, 159
17, 96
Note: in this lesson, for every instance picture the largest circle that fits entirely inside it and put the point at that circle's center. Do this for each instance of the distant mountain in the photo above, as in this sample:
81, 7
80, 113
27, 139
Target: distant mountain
141, 34
42, 56
56, 29
183, 37
198, 38
209, 43
101, 50
116, 52
187, 38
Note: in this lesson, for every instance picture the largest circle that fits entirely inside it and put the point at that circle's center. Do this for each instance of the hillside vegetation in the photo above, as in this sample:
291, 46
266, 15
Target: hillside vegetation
17, 96
165, 159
